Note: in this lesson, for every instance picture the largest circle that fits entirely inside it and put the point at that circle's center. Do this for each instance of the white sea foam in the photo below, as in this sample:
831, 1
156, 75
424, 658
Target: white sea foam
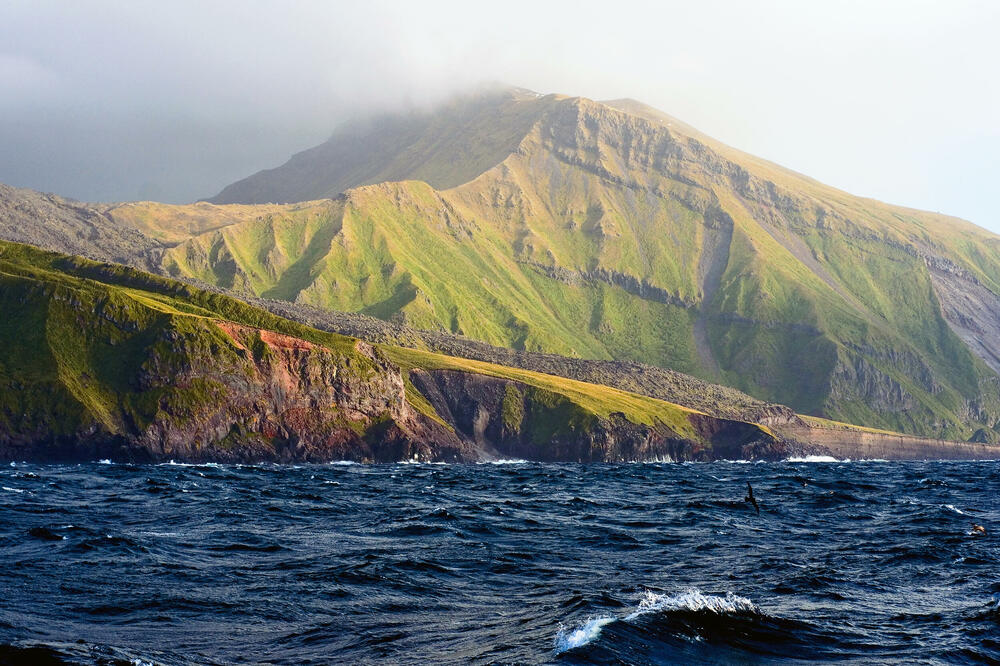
105, 461
13, 490
815, 459
693, 600
580, 636
503, 461
343, 462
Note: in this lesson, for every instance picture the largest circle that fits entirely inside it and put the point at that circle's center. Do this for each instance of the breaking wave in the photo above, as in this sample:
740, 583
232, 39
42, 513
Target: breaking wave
651, 603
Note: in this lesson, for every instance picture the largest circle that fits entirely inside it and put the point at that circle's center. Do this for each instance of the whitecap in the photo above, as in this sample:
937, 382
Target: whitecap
955, 509
14, 490
693, 600
814, 459
580, 636
503, 461
105, 461
173, 463
343, 462
653, 602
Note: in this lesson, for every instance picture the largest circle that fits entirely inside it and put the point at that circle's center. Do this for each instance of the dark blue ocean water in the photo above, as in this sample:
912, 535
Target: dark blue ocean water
866, 562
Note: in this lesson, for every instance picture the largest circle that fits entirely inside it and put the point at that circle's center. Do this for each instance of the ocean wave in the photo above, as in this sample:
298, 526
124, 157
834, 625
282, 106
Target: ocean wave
570, 639
343, 463
653, 603
503, 461
693, 600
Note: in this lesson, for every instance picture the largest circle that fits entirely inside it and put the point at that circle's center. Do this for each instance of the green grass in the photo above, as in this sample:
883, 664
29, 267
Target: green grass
78, 338
83, 337
533, 196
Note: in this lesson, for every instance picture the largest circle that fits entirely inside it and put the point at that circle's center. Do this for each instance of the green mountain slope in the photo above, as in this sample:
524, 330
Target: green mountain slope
612, 231
102, 360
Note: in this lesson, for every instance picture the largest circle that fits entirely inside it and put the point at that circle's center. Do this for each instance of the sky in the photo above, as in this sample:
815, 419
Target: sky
171, 101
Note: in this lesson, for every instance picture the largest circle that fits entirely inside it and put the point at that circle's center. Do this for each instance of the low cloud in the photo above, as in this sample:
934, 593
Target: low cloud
174, 100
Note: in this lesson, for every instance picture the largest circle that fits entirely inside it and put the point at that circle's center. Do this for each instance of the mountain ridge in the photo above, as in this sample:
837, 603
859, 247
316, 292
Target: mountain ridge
668, 248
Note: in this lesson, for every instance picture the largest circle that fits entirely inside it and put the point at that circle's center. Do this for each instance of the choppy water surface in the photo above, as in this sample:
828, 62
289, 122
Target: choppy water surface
518, 563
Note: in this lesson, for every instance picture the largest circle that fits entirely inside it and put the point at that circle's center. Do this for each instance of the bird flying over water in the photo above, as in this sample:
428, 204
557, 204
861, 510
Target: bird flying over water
750, 498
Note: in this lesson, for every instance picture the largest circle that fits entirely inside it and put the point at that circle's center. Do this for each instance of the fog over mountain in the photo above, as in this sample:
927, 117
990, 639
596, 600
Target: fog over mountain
172, 101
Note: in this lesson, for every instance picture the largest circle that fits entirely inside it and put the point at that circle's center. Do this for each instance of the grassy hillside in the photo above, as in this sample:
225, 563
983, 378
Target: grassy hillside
618, 233
78, 338
612, 231
102, 350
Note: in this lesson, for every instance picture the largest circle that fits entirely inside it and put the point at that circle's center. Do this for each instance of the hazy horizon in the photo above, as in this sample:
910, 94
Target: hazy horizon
108, 101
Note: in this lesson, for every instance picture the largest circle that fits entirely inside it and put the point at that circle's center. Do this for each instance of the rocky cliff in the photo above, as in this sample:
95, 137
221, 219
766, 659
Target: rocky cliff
853, 444
102, 361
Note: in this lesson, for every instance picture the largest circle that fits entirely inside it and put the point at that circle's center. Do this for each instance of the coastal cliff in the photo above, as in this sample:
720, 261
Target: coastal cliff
103, 361
857, 444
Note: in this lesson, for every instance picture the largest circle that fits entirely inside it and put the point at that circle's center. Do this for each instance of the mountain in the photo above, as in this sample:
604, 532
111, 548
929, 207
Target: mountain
615, 231
611, 231
447, 147
101, 360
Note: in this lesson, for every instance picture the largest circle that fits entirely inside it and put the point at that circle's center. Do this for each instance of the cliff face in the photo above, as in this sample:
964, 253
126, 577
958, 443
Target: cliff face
283, 398
861, 445
512, 420
115, 380
102, 361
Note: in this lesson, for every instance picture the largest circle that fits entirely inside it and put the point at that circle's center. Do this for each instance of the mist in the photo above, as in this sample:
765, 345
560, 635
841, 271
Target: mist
109, 101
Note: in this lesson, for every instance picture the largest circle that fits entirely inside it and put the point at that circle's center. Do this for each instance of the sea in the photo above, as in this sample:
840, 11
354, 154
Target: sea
866, 562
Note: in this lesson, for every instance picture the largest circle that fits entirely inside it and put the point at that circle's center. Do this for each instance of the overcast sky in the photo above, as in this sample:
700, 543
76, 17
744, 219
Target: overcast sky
172, 100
